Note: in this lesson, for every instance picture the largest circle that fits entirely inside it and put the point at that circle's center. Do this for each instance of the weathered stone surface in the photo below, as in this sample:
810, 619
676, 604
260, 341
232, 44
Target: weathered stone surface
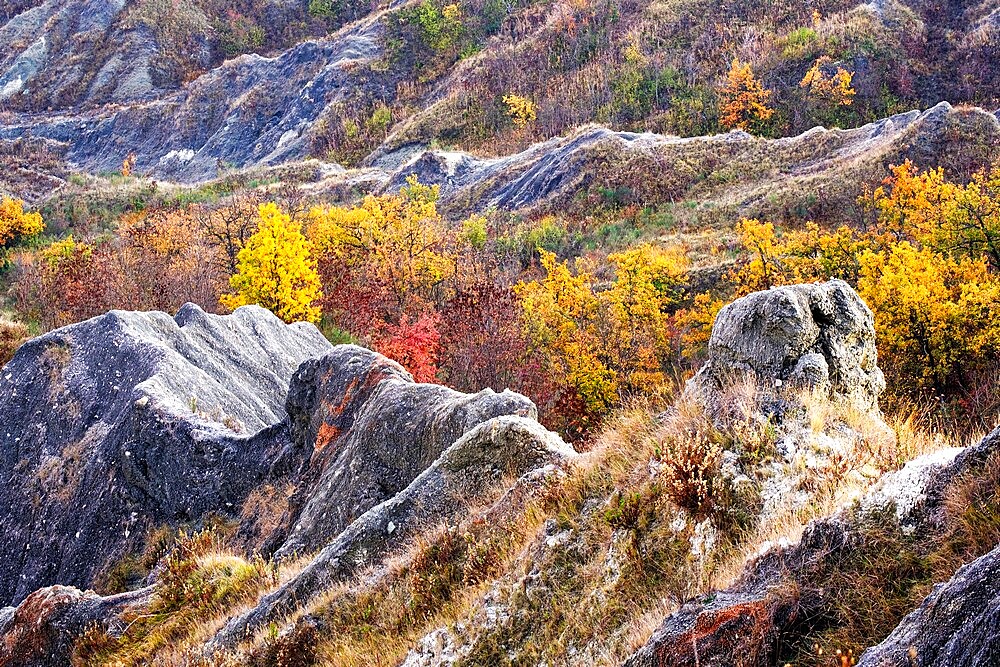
957, 625
42, 630
55, 49
746, 619
366, 430
786, 585
250, 110
501, 448
819, 336
130, 420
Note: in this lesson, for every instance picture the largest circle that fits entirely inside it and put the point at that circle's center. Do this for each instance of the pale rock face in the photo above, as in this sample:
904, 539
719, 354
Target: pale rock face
502, 448
797, 362
956, 625
906, 489
131, 420
367, 430
135, 420
815, 336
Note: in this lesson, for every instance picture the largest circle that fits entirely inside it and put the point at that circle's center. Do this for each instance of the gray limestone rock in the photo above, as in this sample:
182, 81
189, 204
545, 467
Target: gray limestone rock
500, 449
130, 420
366, 430
817, 336
957, 625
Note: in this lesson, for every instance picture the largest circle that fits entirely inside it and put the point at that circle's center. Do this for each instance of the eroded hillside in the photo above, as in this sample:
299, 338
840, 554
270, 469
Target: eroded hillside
584, 332
112, 78
402, 523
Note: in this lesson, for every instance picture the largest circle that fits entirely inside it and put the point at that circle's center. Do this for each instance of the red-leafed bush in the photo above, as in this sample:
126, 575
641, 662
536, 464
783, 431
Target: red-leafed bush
414, 344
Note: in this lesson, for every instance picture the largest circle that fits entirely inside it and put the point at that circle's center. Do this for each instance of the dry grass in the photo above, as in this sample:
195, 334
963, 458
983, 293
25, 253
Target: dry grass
580, 571
198, 586
13, 334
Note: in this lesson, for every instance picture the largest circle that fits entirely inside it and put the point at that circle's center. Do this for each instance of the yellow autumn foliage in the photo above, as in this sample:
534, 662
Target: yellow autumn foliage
276, 270
520, 110
16, 223
832, 88
744, 99
606, 342
926, 266
934, 315
397, 239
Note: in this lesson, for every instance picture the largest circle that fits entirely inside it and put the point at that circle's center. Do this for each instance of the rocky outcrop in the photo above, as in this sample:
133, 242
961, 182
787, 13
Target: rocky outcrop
500, 449
248, 111
819, 337
42, 630
562, 170
787, 585
131, 420
62, 53
365, 431
772, 346
797, 366
134, 420
957, 625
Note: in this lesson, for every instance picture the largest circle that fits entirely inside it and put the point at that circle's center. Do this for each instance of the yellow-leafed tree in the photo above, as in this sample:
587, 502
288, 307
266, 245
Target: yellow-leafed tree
744, 99
830, 87
396, 240
935, 315
275, 269
16, 223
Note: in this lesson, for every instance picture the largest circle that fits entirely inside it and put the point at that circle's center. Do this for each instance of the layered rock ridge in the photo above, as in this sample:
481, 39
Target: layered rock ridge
131, 420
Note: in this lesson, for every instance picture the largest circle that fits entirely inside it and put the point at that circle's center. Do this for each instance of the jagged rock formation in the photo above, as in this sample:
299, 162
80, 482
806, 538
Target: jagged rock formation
67, 53
776, 359
501, 448
789, 585
366, 430
248, 111
130, 420
957, 625
819, 337
135, 420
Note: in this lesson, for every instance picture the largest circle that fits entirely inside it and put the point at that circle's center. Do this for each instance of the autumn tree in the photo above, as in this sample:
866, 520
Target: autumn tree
397, 240
276, 270
156, 261
926, 264
694, 327
559, 313
520, 110
763, 268
833, 87
230, 224
923, 206
649, 283
128, 165
603, 344
935, 316
744, 99
415, 344
17, 224
54, 286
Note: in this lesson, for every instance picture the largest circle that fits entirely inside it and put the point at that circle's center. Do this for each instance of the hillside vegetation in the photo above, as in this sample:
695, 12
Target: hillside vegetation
499, 332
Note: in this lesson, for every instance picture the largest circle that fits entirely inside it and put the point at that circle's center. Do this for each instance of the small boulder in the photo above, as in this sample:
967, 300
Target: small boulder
814, 336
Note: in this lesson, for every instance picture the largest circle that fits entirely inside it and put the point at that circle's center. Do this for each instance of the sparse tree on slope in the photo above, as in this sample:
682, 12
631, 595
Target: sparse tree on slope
16, 223
744, 99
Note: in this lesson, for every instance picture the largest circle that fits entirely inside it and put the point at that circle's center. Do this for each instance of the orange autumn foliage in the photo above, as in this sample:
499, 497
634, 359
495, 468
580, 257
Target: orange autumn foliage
744, 99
